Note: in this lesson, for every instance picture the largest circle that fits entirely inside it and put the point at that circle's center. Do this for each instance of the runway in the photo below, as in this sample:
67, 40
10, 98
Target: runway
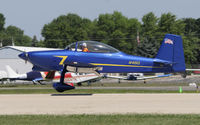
99, 103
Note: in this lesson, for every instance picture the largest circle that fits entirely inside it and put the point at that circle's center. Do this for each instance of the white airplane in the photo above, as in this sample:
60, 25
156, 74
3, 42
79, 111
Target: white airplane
3, 76
192, 69
38, 77
136, 76
72, 78
184, 74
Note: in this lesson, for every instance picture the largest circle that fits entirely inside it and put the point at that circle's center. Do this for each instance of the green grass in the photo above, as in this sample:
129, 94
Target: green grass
97, 84
85, 91
47, 89
118, 119
136, 84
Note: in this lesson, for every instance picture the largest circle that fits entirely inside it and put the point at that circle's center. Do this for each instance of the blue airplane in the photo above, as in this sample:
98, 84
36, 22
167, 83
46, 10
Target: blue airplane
102, 58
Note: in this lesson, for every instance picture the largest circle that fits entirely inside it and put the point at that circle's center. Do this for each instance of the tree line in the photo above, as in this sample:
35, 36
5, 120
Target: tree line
129, 35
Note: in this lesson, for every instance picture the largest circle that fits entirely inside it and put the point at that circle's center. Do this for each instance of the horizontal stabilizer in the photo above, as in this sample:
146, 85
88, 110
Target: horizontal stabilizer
163, 62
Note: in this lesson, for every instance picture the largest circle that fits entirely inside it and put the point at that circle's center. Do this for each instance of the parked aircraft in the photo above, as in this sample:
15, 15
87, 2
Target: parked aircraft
136, 76
3, 76
102, 58
30, 76
38, 77
75, 78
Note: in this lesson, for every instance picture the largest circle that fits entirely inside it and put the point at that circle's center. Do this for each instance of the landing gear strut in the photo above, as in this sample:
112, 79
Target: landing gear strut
61, 86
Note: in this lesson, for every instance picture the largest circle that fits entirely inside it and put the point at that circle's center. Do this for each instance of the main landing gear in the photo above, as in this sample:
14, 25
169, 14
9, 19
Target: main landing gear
61, 86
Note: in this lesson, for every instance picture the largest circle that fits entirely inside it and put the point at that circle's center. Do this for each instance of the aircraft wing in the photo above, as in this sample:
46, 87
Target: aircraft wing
153, 77
116, 77
76, 78
192, 69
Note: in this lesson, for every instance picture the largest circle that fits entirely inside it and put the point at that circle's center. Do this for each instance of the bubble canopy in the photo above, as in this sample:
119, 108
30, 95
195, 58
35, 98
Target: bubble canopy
93, 46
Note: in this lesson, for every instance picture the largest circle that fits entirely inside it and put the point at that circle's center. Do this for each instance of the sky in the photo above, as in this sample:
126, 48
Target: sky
32, 15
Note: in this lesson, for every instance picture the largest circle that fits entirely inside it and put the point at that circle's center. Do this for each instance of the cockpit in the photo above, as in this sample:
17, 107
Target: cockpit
92, 46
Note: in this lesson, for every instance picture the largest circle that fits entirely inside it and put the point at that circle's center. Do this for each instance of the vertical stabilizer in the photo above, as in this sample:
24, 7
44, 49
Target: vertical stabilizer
11, 73
172, 50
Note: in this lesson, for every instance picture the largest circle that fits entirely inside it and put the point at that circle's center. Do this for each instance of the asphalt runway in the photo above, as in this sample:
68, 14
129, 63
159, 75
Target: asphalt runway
99, 103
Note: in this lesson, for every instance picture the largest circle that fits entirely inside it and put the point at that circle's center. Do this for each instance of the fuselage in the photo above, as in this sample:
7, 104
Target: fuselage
118, 62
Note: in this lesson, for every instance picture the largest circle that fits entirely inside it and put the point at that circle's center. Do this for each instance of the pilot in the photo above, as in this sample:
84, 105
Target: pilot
84, 48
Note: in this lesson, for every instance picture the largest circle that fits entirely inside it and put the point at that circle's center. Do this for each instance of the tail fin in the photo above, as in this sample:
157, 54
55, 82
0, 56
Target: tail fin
172, 50
11, 73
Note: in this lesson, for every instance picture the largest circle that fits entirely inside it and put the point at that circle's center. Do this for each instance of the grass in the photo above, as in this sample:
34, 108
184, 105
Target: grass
115, 119
97, 84
85, 91
136, 84
47, 89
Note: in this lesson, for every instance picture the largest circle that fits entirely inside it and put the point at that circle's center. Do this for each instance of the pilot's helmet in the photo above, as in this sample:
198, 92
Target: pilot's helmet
84, 45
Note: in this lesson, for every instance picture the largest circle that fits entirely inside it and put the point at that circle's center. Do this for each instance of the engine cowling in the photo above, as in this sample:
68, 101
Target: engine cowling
60, 87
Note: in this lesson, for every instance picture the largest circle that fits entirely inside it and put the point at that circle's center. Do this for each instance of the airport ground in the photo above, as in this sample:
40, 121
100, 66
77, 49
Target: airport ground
153, 103
98, 109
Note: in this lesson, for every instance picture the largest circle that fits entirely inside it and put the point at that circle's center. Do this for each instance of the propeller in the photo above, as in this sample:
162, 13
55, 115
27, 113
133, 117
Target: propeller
24, 56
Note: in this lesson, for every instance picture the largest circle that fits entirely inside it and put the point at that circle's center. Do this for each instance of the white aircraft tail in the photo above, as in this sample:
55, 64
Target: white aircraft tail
11, 73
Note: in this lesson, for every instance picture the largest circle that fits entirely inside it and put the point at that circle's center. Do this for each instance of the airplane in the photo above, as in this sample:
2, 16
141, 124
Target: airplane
72, 78
75, 78
192, 69
136, 76
3, 76
33, 76
103, 58
184, 75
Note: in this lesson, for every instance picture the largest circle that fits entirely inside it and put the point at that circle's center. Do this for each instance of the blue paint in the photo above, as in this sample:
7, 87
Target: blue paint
170, 58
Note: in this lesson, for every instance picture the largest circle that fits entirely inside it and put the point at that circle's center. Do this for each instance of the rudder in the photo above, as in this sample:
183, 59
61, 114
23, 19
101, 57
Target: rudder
172, 50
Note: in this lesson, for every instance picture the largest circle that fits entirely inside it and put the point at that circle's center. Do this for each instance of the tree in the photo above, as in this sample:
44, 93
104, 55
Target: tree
2, 22
147, 48
149, 26
197, 22
121, 32
34, 41
113, 30
66, 29
16, 35
133, 31
190, 25
191, 49
169, 24
105, 26
149, 43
